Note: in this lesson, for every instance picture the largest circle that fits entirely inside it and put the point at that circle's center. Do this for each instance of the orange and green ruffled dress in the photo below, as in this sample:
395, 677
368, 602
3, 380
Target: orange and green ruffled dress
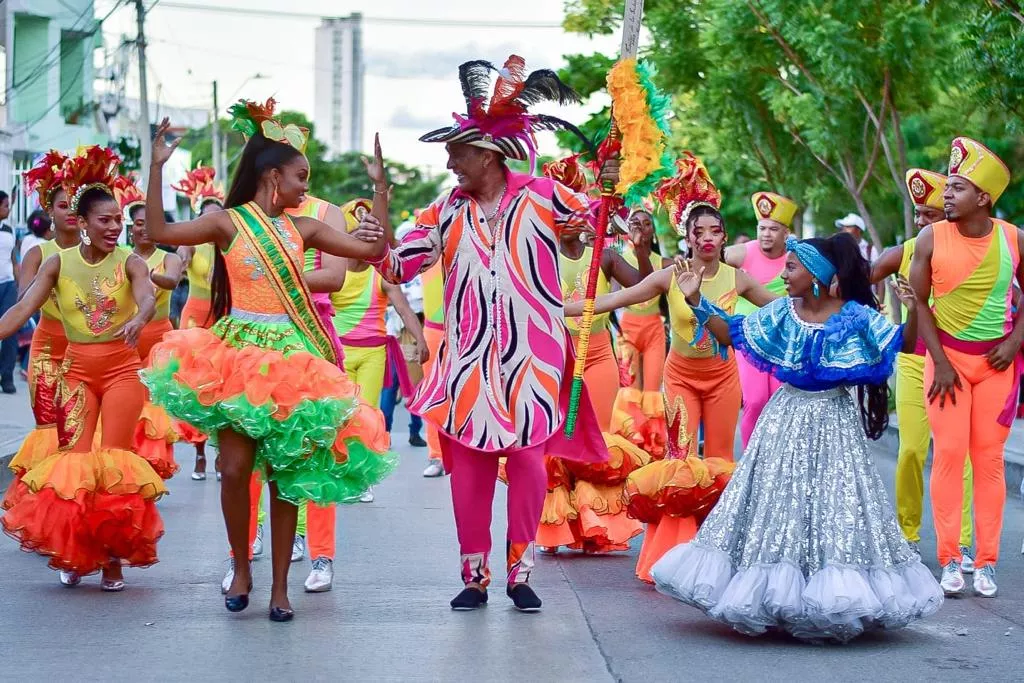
266, 370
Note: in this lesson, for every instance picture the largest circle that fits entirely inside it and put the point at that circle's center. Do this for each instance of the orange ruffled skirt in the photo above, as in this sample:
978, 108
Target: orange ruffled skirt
87, 510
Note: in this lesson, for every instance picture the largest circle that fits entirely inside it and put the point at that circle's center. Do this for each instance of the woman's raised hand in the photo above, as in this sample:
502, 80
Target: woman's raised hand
161, 150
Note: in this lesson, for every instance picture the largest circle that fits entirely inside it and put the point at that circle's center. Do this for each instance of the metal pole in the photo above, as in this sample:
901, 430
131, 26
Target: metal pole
145, 139
218, 156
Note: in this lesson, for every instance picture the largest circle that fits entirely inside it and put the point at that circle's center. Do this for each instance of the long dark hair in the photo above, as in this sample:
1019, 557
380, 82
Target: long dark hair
853, 277
259, 155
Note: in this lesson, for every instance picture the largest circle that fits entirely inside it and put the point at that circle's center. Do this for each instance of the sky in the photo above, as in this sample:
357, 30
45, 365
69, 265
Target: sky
411, 77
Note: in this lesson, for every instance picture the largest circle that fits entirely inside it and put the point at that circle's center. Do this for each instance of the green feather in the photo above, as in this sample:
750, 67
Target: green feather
659, 107
241, 120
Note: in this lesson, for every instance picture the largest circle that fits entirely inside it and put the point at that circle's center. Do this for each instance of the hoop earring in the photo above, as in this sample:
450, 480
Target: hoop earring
84, 236
274, 198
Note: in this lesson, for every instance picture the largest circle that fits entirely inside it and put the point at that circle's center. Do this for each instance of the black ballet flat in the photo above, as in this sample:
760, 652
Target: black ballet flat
237, 603
281, 614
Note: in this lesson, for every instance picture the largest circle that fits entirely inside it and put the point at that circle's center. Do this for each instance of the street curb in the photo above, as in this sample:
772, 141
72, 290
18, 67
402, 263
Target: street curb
1013, 457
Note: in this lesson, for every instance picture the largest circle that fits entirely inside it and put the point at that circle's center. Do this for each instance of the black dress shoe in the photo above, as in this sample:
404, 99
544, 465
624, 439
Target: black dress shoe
9, 388
523, 597
281, 614
469, 598
417, 441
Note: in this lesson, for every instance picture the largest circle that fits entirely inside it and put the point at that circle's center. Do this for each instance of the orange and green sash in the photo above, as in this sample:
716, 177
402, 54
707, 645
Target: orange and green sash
284, 272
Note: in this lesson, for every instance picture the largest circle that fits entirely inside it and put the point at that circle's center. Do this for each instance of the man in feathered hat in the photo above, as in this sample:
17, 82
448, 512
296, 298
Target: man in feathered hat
963, 271
926, 189
764, 258
500, 385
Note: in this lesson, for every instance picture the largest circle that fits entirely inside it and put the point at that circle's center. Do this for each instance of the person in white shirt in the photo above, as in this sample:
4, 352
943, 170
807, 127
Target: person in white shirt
40, 229
854, 225
8, 292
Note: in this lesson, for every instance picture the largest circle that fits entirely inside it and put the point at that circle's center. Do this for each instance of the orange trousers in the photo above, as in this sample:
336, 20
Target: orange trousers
646, 334
702, 390
601, 377
152, 333
434, 336
102, 383
969, 426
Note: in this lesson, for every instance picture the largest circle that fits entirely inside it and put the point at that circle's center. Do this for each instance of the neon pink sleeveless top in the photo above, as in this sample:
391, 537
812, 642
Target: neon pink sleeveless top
766, 271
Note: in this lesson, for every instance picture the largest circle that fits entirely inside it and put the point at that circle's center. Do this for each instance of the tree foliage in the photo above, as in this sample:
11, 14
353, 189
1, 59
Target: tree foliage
826, 101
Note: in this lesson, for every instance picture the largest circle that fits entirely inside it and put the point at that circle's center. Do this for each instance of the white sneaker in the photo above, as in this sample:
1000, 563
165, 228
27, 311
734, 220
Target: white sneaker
298, 548
322, 576
967, 560
985, 581
434, 469
225, 585
952, 579
367, 496
70, 579
257, 545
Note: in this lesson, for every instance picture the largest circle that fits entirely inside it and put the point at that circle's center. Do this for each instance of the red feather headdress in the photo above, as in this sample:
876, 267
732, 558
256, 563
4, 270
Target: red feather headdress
45, 178
127, 193
689, 188
93, 167
199, 188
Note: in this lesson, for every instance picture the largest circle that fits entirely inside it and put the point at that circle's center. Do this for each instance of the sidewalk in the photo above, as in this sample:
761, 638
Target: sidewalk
16, 421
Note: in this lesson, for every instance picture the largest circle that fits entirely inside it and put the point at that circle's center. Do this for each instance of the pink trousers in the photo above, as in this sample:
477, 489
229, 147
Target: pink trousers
474, 475
757, 388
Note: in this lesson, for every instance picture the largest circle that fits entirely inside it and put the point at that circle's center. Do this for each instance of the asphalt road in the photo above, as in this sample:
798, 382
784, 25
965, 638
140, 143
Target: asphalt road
387, 618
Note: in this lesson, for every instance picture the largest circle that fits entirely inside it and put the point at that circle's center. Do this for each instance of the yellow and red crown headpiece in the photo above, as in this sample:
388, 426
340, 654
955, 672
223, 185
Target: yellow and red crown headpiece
94, 167
926, 187
568, 172
45, 178
771, 206
127, 193
977, 163
689, 188
354, 211
198, 187
249, 117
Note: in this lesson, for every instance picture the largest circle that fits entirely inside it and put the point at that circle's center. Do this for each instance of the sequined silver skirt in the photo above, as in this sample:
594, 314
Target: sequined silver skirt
804, 537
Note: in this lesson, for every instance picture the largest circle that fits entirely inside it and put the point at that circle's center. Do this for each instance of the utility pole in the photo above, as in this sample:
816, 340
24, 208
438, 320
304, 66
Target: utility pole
145, 141
218, 157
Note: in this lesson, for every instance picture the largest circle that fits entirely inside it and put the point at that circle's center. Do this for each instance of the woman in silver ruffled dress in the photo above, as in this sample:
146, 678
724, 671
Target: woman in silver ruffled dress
804, 538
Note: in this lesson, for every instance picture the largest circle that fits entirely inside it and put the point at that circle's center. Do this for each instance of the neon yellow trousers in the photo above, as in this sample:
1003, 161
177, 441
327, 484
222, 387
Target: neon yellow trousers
915, 437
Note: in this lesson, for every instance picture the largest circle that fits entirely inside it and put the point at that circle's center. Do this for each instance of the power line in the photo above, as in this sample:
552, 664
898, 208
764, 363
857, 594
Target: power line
411, 21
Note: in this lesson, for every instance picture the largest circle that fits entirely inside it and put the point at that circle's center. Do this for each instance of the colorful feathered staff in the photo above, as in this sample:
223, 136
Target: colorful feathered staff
639, 137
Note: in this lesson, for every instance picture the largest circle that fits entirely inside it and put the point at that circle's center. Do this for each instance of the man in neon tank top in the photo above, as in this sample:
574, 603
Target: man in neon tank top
926, 188
966, 265
764, 259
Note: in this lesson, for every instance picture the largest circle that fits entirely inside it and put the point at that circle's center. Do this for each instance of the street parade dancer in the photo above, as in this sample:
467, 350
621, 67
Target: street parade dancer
92, 507
701, 381
764, 259
583, 508
499, 387
49, 342
263, 380
967, 265
155, 434
926, 189
804, 538
203, 196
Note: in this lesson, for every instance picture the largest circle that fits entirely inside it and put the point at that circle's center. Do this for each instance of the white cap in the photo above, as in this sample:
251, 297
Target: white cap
851, 220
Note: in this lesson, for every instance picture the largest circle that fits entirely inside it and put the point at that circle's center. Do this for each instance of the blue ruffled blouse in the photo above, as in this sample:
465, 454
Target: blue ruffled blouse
857, 345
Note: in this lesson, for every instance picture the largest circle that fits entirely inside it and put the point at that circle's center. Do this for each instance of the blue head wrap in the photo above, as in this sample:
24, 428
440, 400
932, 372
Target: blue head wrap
820, 267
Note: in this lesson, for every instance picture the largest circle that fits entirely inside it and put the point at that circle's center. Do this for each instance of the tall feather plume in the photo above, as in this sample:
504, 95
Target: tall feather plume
508, 86
544, 84
475, 77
